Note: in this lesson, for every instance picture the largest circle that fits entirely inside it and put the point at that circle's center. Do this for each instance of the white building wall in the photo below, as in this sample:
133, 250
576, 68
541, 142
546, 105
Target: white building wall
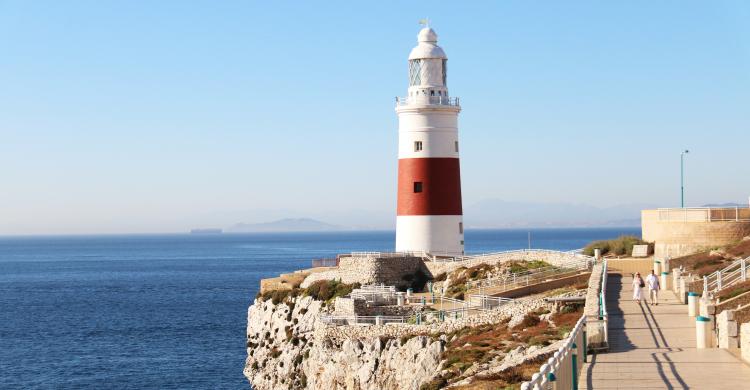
437, 234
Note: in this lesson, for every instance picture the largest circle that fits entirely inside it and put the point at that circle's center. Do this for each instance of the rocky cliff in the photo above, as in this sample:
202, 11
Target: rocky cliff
286, 352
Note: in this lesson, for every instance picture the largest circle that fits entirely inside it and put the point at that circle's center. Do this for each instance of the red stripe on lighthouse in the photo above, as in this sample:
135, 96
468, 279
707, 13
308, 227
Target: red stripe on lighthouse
441, 186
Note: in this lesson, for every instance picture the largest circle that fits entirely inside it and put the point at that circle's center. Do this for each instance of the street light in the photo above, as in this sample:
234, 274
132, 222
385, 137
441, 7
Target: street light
682, 177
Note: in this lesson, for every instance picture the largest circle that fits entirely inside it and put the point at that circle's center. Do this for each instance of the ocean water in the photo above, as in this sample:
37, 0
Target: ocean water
167, 311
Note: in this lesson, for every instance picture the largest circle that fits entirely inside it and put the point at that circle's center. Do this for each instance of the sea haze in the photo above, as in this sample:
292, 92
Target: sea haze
167, 311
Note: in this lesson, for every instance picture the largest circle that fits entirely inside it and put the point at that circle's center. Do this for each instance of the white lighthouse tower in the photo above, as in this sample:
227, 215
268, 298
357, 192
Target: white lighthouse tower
429, 215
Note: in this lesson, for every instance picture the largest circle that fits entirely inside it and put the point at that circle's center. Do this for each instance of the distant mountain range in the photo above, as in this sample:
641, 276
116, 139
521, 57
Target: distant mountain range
285, 225
494, 213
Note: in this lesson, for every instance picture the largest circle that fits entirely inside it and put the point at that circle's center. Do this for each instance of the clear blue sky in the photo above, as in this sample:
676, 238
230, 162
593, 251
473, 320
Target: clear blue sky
162, 116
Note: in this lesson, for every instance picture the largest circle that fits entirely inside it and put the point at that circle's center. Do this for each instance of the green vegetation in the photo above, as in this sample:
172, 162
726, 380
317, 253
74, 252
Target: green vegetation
327, 290
484, 343
734, 291
322, 290
620, 246
518, 266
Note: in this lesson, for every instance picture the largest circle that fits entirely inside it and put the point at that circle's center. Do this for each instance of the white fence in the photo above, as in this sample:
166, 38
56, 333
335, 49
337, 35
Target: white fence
732, 274
526, 278
705, 214
562, 370
362, 320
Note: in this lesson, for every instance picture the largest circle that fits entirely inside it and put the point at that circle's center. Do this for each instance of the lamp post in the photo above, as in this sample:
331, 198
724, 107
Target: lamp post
682, 177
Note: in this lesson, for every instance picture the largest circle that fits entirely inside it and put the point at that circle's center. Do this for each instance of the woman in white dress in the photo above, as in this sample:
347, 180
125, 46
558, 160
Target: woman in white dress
637, 285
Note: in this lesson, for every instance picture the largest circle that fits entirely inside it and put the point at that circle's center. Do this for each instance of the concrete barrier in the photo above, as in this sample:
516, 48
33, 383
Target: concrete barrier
702, 332
693, 304
683, 290
664, 280
728, 330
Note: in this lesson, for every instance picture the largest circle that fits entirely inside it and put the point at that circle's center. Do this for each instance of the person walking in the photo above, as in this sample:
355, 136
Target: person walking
653, 288
638, 284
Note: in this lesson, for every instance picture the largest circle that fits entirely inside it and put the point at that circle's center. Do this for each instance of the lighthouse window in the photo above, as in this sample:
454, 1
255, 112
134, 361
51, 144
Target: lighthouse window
456, 146
432, 92
461, 228
417, 186
417, 146
415, 72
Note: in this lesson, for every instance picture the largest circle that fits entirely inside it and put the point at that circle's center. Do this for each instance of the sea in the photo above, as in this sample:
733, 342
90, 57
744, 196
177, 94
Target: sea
168, 311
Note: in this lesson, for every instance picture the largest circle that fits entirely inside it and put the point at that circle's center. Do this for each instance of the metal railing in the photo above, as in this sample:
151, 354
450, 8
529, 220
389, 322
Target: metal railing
489, 302
526, 278
485, 257
705, 214
436, 100
375, 294
734, 273
361, 320
562, 370
326, 262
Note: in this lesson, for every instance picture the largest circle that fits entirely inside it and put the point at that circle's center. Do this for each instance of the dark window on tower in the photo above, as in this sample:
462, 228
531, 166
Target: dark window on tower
456, 146
417, 146
417, 186
461, 228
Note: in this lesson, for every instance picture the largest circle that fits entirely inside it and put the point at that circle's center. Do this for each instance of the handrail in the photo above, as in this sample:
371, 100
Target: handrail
564, 366
525, 278
705, 214
562, 370
357, 319
734, 273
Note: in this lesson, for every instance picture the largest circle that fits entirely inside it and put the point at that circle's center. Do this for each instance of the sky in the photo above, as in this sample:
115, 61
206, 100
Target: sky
138, 116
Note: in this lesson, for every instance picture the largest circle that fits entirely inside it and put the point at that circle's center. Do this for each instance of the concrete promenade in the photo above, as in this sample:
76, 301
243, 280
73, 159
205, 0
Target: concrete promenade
653, 347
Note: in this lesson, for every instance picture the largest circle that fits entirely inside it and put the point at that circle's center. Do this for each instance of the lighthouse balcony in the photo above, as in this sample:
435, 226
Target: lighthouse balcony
427, 100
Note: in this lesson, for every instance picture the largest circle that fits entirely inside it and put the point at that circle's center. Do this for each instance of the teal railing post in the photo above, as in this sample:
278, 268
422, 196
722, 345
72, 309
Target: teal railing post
574, 365
551, 378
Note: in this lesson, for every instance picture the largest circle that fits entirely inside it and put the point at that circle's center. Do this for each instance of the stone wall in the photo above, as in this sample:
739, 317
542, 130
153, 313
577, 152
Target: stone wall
727, 330
551, 257
393, 271
595, 334
745, 341
734, 302
515, 311
678, 238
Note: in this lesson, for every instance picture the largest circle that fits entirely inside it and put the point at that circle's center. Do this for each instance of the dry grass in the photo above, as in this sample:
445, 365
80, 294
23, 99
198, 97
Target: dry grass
484, 343
508, 379
734, 291
704, 263
460, 276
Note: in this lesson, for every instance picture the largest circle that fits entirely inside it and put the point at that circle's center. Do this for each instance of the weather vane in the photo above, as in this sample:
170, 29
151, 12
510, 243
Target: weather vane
425, 22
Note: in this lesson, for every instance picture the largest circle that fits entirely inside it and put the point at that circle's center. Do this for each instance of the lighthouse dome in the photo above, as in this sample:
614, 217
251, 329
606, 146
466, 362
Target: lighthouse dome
427, 45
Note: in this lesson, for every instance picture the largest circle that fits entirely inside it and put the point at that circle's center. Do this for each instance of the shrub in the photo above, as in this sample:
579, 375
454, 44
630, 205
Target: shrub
622, 245
327, 290
441, 277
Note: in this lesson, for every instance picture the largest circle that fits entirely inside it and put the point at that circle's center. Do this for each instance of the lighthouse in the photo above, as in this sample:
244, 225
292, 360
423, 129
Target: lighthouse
429, 213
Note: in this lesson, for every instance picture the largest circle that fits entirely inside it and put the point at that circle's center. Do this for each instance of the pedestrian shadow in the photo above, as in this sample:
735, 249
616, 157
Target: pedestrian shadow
618, 296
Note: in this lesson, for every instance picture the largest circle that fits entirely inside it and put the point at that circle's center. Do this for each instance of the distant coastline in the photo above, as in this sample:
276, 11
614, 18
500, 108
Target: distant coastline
206, 231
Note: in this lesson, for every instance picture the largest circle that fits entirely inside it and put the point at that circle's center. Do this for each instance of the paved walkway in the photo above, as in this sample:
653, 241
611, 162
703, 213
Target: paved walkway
653, 347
